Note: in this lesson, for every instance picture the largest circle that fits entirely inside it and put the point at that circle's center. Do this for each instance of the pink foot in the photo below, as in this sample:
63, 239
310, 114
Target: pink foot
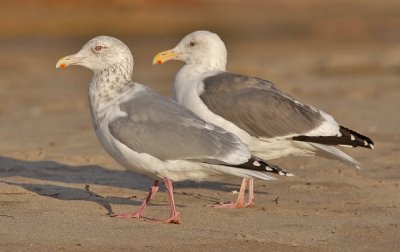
139, 212
240, 200
175, 215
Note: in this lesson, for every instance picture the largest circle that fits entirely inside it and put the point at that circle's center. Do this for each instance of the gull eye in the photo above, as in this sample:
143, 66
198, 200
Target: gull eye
192, 43
98, 48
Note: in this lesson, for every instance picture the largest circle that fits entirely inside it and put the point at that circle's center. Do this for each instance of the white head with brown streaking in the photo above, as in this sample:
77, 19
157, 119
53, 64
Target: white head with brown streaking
99, 54
111, 62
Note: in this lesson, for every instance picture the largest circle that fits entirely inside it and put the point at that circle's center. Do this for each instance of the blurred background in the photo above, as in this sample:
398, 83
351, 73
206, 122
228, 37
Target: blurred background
342, 56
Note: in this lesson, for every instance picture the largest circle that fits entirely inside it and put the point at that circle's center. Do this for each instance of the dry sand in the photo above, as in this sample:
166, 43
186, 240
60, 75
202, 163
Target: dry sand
347, 63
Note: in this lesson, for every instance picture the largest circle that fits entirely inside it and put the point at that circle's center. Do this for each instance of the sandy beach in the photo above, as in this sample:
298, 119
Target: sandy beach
57, 185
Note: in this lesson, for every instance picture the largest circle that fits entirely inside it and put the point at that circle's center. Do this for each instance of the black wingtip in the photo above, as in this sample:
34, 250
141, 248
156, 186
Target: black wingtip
347, 137
275, 169
360, 139
258, 164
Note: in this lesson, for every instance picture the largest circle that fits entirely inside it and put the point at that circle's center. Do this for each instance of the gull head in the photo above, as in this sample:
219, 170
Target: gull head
99, 54
199, 48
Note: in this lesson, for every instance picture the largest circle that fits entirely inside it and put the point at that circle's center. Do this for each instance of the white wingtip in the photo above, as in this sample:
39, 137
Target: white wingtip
267, 168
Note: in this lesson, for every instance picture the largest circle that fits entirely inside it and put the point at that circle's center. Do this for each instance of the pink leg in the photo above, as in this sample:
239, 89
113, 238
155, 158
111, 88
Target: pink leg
139, 212
175, 215
240, 200
250, 200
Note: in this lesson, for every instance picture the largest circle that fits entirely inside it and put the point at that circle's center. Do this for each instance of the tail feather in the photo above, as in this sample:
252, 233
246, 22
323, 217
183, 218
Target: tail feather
347, 137
331, 152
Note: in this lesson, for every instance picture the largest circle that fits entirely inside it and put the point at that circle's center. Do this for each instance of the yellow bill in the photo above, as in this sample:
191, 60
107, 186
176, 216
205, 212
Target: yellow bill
66, 61
164, 56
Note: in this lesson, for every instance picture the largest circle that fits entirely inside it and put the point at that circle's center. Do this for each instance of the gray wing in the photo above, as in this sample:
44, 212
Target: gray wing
257, 106
168, 131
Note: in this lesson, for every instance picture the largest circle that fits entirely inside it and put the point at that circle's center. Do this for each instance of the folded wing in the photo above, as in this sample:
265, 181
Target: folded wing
160, 127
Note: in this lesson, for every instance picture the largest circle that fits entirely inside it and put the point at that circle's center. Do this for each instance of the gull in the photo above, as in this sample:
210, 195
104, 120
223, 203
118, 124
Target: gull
153, 135
272, 123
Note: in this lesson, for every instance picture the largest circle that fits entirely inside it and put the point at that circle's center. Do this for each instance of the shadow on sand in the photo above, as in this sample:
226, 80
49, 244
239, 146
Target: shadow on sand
89, 174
